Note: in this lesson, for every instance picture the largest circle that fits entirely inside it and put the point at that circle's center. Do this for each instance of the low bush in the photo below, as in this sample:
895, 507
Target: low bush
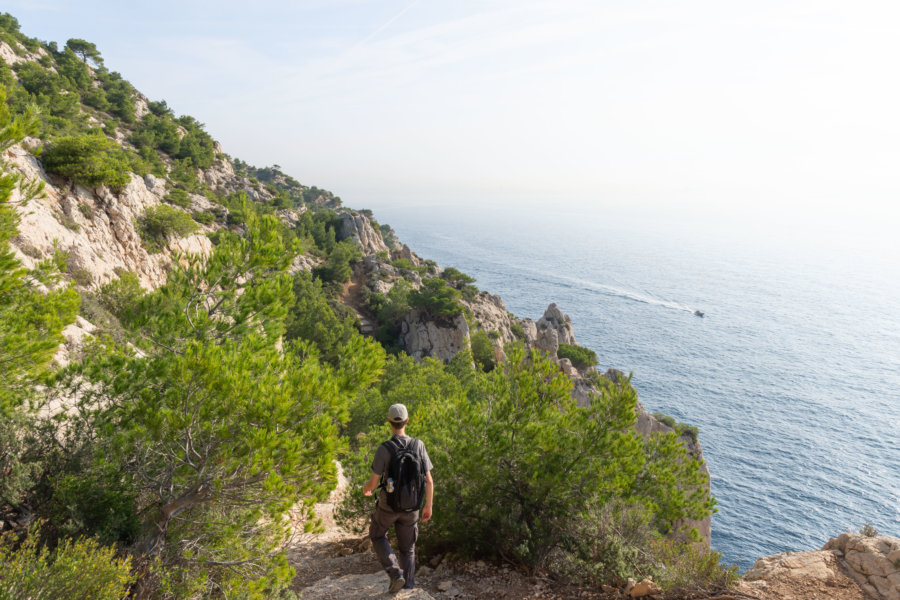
680, 428
682, 566
517, 330
455, 277
337, 267
79, 568
438, 298
868, 530
483, 351
404, 264
121, 295
580, 356
95, 503
204, 217
178, 197
159, 222
91, 159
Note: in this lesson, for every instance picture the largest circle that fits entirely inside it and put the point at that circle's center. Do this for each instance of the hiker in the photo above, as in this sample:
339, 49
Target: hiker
405, 461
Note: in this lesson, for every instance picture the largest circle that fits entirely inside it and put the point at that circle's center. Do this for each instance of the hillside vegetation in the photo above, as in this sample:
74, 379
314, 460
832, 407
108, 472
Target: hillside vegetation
182, 450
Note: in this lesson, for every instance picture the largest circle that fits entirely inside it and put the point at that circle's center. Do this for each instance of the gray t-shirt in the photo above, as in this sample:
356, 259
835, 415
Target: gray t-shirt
383, 458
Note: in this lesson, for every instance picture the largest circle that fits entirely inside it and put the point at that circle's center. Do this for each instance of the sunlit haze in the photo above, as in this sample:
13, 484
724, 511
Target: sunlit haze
771, 108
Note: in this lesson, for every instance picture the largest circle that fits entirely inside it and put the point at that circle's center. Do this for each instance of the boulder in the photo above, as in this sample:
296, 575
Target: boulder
644, 588
814, 564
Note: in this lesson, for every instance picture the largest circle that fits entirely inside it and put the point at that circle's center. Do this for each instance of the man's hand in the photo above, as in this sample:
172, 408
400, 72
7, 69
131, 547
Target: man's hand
371, 484
426, 514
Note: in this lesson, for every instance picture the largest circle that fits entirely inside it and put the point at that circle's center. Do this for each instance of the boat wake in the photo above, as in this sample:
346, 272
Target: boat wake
608, 290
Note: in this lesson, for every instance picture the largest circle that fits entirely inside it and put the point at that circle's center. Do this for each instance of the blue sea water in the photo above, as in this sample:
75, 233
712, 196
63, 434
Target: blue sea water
793, 376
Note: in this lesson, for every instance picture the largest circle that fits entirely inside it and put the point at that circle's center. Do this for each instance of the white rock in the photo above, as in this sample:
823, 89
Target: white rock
421, 335
359, 227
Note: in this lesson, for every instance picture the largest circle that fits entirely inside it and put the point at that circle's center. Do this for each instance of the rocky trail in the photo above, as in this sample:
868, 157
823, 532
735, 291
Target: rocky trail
351, 297
338, 565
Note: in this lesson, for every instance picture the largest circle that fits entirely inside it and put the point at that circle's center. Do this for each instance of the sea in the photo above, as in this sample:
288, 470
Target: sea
792, 375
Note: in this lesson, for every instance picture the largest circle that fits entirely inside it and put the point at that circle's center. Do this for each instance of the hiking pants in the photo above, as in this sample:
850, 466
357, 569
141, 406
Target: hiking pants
406, 526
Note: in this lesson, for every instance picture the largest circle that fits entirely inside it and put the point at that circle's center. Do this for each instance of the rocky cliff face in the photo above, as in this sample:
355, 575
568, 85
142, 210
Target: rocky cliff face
359, 227
95, 227
421, 335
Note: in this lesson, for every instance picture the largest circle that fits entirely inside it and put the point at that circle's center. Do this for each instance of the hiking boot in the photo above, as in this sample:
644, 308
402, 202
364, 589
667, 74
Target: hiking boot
397, 584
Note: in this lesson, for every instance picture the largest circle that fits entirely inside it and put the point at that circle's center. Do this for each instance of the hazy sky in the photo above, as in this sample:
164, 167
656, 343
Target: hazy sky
767, 106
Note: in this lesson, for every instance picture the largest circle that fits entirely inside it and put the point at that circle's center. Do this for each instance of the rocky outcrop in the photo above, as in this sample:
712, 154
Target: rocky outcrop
404, 252
421, 335
551, 330
874, 562
490, 313
220, 175
95, 227
554, 319
11, 57
813, 564
358, 226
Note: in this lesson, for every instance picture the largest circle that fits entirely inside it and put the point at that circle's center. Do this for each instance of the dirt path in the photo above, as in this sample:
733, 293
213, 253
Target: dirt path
337, 565
351, 296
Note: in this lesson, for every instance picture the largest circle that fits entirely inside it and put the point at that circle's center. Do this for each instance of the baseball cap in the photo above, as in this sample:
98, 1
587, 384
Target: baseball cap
397, 413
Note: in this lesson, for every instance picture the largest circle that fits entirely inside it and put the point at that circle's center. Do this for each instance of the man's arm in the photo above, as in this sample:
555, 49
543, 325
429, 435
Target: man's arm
429, 497
372, 483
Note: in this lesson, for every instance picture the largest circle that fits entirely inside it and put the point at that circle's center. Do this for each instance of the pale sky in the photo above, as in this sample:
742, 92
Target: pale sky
766, 106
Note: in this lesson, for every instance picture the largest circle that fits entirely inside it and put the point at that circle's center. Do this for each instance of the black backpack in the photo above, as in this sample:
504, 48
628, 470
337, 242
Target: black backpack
407, 469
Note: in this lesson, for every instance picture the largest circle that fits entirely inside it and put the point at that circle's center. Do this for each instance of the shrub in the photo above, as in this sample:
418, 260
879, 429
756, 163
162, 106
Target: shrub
456, 278
604, 543
90, 159
684, 567
312, 318
178, 197
77, 569
482, 351
121, 295
86, 210
336, 267
204, 217
438, 298
97, 503
517, 330
580, 356
404, 264
868, 530
159, 222
81, 276
680, 428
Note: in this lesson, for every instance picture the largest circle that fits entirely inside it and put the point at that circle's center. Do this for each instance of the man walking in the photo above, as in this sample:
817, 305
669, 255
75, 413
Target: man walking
405, 520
